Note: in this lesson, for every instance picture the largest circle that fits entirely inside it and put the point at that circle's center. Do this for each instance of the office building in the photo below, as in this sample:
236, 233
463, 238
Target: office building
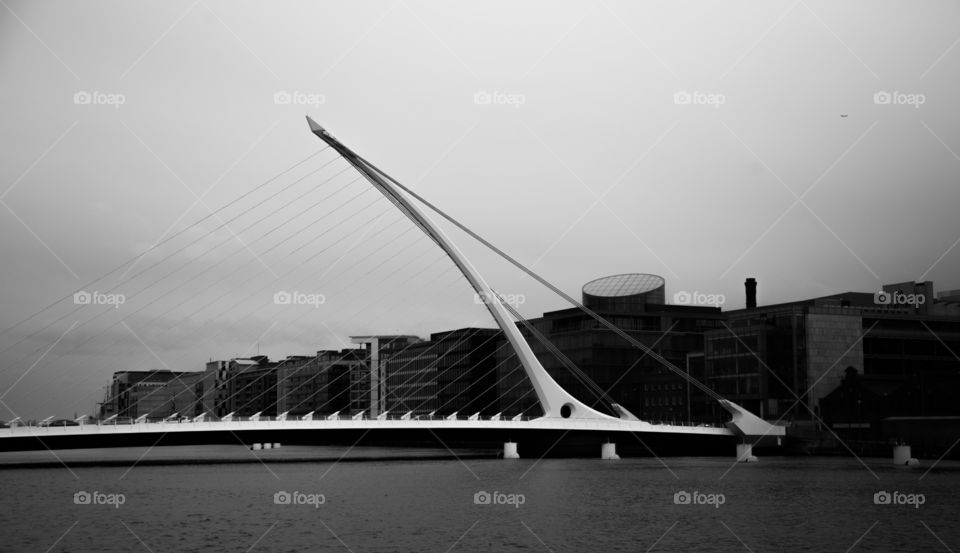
801, 361
367, 392
453, 372
133, 394
252, 386
318, 385
635, 303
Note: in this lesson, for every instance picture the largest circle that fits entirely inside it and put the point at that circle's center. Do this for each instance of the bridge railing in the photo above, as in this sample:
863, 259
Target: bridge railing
128, 421
320, 423
253, 422
695, 424
364, 417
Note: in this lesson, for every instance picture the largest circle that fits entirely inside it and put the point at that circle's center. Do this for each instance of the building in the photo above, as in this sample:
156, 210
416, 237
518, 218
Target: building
184, 396
319, 385
899, 340
366, 384
467, 371
767, 357
411, 379
214, 393
252, 386
133, 394
296, 378
453, 372
635, 303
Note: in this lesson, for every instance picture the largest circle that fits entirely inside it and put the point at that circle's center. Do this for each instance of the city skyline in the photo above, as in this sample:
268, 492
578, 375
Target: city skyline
631, 295
413, 275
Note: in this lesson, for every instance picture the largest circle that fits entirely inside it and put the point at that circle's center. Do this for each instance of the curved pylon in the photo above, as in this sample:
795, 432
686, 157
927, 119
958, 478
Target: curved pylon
556, 402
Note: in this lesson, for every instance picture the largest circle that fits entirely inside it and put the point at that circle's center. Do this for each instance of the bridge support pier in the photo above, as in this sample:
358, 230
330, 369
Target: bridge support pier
745, 453
901, 456
609, 451
510, 450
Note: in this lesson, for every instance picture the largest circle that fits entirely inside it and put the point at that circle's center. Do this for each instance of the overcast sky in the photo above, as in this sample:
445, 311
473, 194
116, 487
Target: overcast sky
811, 145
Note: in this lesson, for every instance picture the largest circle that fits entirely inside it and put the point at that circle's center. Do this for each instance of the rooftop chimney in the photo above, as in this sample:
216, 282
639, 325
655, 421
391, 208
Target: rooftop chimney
751, 287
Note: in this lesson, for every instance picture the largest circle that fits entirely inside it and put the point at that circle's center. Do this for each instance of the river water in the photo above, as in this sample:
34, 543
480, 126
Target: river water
286, 503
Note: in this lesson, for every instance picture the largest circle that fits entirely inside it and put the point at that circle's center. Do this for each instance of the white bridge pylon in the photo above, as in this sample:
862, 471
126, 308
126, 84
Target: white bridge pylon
557, 403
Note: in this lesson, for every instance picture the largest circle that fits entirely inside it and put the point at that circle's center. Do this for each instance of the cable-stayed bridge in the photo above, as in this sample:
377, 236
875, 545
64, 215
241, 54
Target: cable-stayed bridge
565, 425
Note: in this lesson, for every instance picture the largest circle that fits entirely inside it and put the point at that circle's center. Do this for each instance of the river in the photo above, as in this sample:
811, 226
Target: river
302, 499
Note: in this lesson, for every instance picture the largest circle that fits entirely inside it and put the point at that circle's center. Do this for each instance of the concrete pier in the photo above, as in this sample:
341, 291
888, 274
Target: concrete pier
902, 456
745, 453
609, 451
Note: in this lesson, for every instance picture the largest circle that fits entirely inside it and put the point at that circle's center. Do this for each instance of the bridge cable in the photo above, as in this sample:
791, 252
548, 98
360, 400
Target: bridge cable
189, 262
636, 343
78, 307
167, 239
215, 300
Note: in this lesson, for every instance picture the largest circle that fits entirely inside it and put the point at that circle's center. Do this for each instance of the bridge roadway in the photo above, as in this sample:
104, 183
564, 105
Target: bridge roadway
535, 437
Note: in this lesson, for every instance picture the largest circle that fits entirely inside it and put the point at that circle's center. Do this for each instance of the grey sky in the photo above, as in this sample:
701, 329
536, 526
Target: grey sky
583, 104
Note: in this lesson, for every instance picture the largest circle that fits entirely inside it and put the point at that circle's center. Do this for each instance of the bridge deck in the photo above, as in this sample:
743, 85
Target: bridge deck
597, 425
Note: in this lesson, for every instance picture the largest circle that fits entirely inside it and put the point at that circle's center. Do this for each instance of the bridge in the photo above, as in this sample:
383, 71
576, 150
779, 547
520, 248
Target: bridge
567, 426
543, 436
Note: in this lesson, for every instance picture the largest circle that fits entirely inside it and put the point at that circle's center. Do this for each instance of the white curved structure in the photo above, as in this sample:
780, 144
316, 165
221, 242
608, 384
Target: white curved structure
556, 402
